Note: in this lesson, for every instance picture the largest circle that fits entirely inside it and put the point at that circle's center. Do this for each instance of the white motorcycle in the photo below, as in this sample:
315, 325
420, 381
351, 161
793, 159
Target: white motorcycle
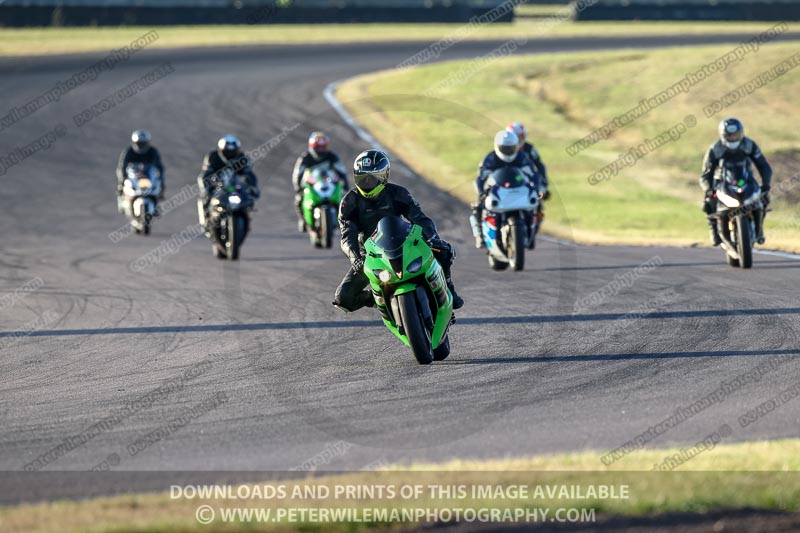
139, 199
510, 218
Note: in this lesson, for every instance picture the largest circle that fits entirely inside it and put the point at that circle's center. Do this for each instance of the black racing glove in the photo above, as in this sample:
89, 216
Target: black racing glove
765, 198
358, 264
443, 246
708, 202
437, 244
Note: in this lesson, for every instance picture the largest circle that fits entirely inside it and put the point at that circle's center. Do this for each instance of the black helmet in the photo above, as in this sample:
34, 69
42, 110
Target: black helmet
371, 172
731, 132
229, 146
140, 141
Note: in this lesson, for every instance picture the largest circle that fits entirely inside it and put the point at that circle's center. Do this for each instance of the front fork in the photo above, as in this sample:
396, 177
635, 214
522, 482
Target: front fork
475, 220
758, 219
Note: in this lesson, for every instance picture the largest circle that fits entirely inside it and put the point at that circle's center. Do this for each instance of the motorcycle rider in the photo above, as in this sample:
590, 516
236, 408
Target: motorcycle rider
359, 213
733, 147
318, 153
528, 149
227, 157
140, 151
506, 153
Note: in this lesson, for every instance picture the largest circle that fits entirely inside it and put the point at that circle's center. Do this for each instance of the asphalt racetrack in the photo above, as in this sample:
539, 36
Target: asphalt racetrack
264, 373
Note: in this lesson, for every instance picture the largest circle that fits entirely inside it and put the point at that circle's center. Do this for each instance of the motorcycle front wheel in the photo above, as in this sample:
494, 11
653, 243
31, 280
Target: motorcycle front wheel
515, 247
236, 231
418, 335
744, 241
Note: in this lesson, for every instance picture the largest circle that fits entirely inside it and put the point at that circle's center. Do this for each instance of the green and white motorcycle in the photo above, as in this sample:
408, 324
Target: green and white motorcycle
322, 192
409, 288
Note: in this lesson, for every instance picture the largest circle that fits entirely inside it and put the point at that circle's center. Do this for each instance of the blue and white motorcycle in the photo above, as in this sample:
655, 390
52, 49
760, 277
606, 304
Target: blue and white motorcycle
510, 218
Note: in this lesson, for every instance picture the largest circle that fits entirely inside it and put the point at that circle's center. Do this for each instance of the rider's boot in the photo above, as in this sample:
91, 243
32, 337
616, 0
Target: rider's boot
475, 222
458, 301
713, 233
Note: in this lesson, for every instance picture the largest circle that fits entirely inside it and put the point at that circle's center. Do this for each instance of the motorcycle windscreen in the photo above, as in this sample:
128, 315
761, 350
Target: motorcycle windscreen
738, 178
390, 235
508, 178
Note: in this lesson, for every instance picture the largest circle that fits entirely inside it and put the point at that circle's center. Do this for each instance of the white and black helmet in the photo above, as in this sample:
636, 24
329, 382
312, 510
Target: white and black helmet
229, 146
140, 141
731, 132
506, 145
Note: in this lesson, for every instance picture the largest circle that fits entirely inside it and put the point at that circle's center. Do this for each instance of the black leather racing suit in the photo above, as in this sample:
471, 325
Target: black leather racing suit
307, 161
358, 218
538, 164
210, 178
747, 151
149, 157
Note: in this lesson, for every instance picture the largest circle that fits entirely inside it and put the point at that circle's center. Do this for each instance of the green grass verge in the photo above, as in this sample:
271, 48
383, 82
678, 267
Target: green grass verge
42, 41
760, 475
562, 98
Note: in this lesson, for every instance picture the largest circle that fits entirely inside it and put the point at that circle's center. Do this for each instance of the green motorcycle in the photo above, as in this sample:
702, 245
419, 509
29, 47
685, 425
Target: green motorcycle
409, 288
322, 192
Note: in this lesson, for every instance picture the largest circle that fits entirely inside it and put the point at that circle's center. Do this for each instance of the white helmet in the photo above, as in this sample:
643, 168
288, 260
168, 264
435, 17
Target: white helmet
506, 145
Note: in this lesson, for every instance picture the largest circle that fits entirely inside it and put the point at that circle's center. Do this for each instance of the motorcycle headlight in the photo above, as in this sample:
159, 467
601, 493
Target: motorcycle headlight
384, 276
234, 199
414, 266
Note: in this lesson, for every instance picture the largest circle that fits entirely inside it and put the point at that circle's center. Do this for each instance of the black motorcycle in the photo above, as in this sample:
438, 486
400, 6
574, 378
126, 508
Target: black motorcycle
229, 217
740, 212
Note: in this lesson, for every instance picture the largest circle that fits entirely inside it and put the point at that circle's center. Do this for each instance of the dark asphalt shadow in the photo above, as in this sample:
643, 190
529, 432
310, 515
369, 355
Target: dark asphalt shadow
306, 258
796, 264
756, 264
617, 357
332, 324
